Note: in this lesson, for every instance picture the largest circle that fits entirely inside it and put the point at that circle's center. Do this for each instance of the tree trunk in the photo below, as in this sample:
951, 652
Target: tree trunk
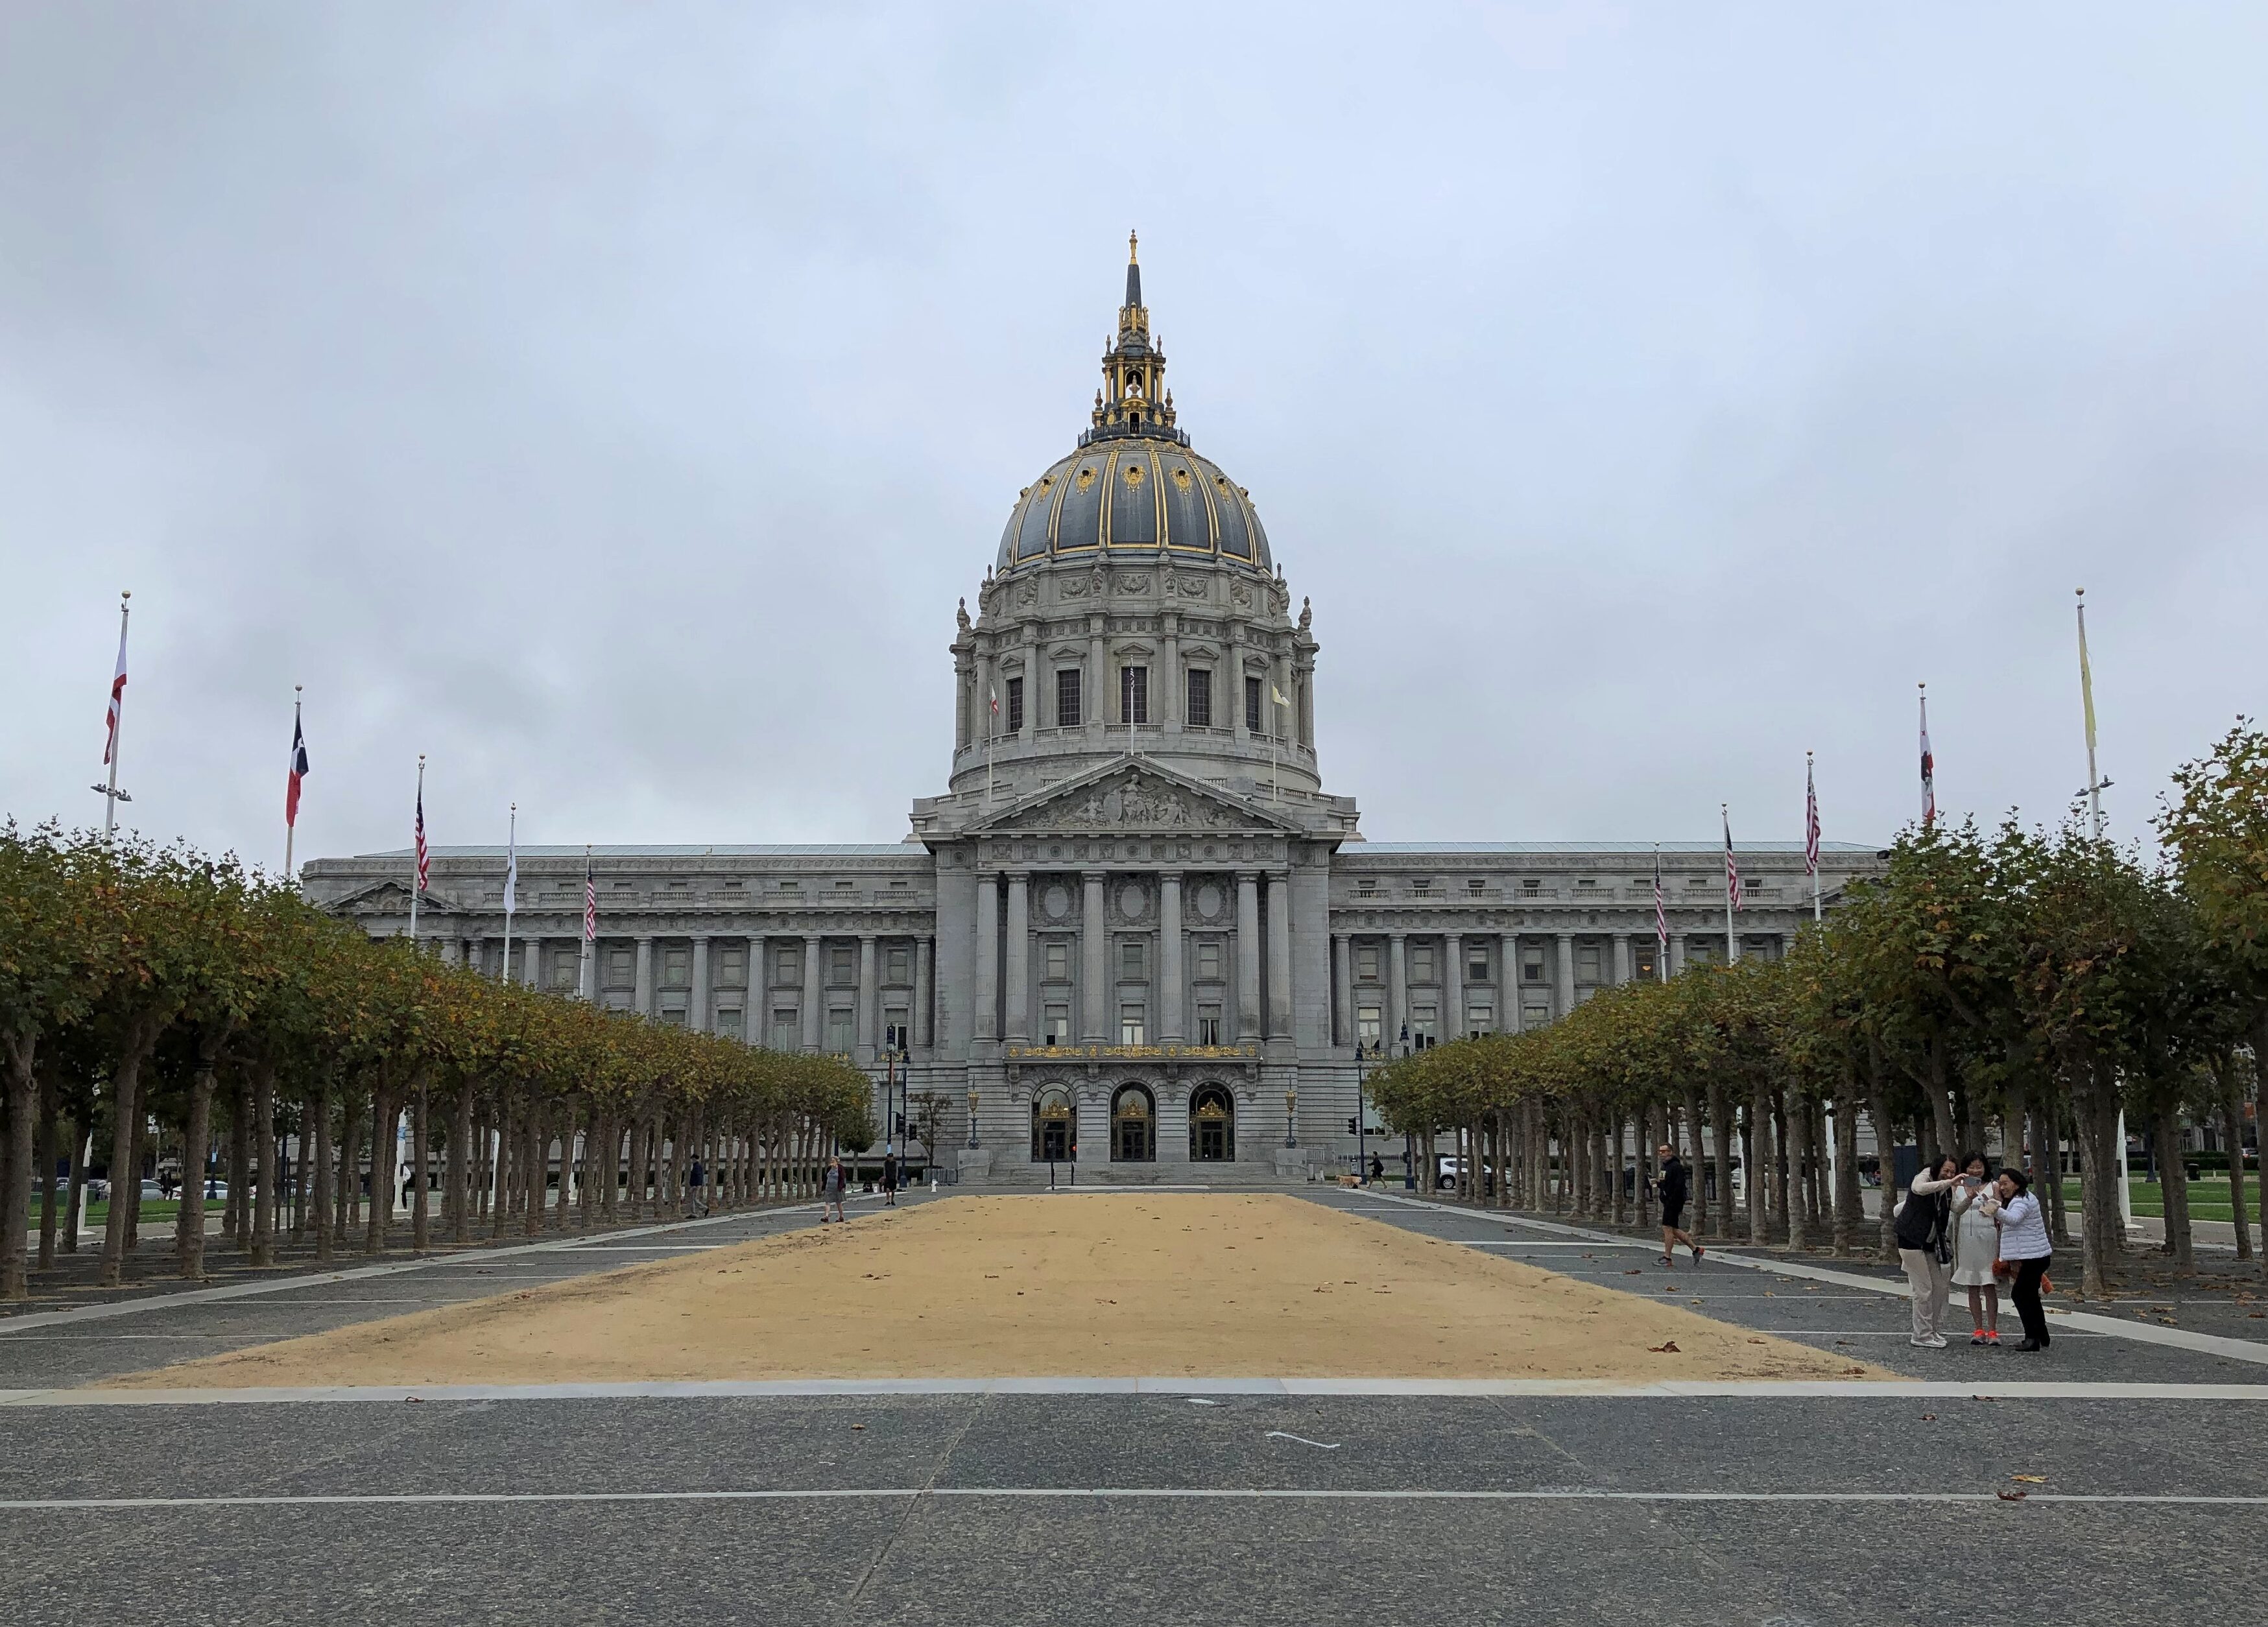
239, 1163
1778, 1165
1848, 1204
325, 1233
1720, 1123
421, 1217
2095, 1106
460, 1167
49, 1147
125, 1115
82, 1153
22, 1107
262, 1130
2232, 1134
195, 1138
2173, 1183
1885, 1139
385, 1133
1696, 1158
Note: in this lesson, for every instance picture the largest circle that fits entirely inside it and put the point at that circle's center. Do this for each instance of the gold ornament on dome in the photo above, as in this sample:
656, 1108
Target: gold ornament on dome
1085, 479
1133, 474
1181, 478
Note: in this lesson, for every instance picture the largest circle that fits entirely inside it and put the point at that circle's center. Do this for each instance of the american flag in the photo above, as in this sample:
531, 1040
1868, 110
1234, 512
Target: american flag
590, 902
425, 854
1732, 870
1661, 913
1928, 768
1810, 820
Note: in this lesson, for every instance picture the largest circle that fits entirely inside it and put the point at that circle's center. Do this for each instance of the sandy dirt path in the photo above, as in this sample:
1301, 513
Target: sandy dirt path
1110, 1284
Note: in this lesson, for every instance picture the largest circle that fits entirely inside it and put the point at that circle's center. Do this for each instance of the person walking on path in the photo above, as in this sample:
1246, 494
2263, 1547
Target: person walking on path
696, 1178
830, 1190
1976, 1251
2024, 1245
1924, 1230
1672, 1186
890, 1178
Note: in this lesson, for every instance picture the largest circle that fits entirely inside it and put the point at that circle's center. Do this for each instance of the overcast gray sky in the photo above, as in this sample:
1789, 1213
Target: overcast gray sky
612, 402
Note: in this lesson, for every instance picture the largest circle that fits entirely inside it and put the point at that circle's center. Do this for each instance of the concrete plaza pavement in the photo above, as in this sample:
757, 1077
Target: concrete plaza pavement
1225, 1504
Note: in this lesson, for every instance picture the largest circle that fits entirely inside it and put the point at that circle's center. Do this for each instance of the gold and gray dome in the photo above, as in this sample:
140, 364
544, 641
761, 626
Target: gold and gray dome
1133, 484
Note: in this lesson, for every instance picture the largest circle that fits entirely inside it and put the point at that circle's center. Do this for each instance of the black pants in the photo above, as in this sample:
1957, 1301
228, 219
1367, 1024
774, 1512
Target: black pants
2026, 1293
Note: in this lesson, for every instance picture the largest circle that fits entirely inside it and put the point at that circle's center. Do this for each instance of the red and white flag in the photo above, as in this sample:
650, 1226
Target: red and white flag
1661, 915
425, 854
590, 902
1928, 771
1810, 820
1732, 870
117, 697
297, 772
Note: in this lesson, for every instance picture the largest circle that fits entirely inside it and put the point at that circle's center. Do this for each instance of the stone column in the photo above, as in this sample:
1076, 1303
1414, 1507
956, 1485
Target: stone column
699, 1008
755, 1018
1344, 1031
1175, 697
1279, 955
1507, 982
984, 725
1677, 953
1093, 955
985, 1023
1173, 989
1452, 987
1247, 957
1622, 958
1564, 995
1097, 699
531, 960
814, 993
869, 1001
925, 1030
1397, 990
1020, 958
642, 984
452, 954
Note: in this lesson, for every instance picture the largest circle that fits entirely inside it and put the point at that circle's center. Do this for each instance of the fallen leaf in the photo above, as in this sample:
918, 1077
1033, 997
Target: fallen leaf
1669, 1349
1929, 1417
2030, 1480
2006, 1496
858, 1426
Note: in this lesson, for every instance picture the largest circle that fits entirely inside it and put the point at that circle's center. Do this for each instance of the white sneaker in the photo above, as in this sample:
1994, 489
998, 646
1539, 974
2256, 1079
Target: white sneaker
1935, 1342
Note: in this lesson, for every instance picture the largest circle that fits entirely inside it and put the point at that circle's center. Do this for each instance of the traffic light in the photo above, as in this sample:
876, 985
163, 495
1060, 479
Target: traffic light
1351, 1129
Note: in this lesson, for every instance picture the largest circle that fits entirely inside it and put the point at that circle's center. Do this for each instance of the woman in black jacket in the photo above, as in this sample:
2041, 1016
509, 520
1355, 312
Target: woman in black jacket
1925, 1229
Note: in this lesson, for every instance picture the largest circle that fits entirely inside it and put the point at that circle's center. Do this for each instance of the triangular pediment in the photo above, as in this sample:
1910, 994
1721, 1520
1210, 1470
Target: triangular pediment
1135, 798
389, 897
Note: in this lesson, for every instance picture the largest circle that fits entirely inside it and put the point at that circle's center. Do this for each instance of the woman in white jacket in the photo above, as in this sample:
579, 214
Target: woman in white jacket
2024, 1244
1976, 1250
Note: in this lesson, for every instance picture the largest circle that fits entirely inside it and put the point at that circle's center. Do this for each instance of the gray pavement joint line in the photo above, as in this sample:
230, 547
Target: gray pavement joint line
883, 1549
362, 1273
717, 1389
1493, 1494
2176, 1338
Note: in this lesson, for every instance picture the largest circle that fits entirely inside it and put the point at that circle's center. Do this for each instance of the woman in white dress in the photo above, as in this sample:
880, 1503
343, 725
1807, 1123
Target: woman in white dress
1976, 1247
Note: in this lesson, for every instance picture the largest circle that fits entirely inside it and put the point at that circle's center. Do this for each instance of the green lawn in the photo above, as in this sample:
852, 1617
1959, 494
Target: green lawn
96, 1215
2208, 1197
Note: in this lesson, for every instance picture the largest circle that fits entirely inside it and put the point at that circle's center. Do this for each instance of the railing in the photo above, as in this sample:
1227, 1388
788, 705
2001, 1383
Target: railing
1133, 1053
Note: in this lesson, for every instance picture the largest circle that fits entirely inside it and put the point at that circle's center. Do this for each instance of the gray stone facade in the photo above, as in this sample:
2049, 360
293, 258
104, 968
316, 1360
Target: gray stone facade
1135, 917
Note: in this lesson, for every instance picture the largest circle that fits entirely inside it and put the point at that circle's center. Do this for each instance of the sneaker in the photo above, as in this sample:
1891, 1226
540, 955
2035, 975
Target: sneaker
1697, 1254
1993, 1337
1976, 1337
1669, 1260
1934, 1342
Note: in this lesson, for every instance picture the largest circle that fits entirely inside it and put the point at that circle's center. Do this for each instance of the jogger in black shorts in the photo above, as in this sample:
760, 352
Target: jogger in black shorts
1671, 1187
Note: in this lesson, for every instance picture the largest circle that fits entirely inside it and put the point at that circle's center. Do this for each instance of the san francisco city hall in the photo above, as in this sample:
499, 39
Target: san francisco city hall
1135, 918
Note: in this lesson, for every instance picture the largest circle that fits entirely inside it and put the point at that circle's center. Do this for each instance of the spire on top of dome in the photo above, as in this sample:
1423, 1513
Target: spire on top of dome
1134, 400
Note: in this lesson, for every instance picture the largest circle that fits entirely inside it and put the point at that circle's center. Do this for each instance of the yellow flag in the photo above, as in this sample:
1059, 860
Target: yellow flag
2086, 679
1280, 701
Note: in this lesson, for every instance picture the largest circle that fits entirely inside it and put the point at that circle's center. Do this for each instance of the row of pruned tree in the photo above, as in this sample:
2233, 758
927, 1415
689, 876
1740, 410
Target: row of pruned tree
153, 995
2037, 982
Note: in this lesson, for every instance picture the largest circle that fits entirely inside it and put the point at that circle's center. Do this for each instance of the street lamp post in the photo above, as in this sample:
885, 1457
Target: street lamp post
972, 1115
1361, 1129
1408, 1136
1291, 1116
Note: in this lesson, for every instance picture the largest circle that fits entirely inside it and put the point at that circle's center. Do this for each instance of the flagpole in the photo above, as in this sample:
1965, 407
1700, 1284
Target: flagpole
290, 826
1928, 766
1732, 944
2094, 820
117, 727
510, 877
415, 890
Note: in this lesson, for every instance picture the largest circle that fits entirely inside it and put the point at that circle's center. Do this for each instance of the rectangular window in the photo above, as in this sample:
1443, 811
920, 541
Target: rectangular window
567, 972
1058, 962
1424, 1024
1531, 965
1477, 965
1209, 958
1200, 698
1130, 960
731, 966
728, 1022
839, 969
1016, 706
622, 965
1646, 961
1702, 952
1480, 1019
839, 1030
1367, 1025
1534, 1015
898, 1027
1365, 962
1255, 714
787, 1034
902, 965
1133, 694
676, 968
1586, 963
1067, 698
791, 966
1129, 1026
1421, 963
1208, 1025
675, 1016
1058, 1025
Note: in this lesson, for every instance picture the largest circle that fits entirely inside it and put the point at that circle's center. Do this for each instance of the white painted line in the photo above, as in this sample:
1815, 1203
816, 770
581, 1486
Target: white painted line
1555, 1494
1789, 1390
2177, 1338
646, 1247
1513, 1242
105, 1338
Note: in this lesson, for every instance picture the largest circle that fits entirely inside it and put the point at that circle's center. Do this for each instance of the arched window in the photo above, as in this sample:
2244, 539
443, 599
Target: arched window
1133, 1126
1212, 1125
1053, 1124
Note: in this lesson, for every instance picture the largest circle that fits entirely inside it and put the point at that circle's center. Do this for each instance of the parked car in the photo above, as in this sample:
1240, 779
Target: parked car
153, 1193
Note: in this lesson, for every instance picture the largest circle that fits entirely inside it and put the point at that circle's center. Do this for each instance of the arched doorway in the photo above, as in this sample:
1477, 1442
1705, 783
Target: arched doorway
1133, 1126
1051, 1126
1212, 1126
